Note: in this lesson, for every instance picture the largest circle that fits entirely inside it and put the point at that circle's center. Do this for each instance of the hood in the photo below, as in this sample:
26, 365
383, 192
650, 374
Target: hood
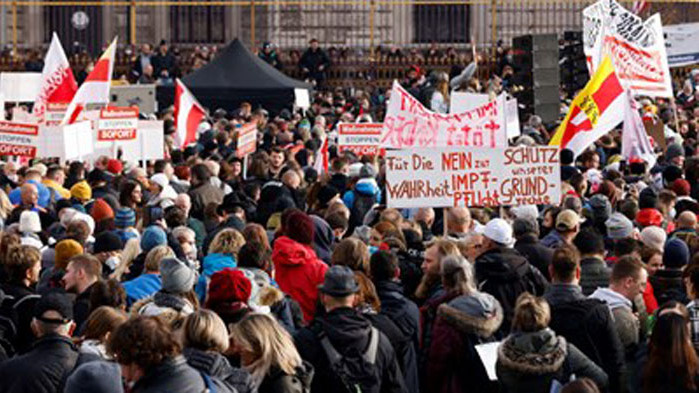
478, 313
536, 353
504, 264
367, 186
94, 347
613, 299
289, 252
346, 328
323, 238
216, 262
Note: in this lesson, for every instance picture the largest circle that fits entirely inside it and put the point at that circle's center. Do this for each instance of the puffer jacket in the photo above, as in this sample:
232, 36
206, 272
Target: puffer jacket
594, 274
530, 362
175, 375
216, 365
44, 369
212, 263
505, 273
298, 273
277, 381
453, 364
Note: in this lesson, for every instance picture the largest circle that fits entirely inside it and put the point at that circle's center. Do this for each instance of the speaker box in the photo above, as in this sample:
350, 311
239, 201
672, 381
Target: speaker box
538, 72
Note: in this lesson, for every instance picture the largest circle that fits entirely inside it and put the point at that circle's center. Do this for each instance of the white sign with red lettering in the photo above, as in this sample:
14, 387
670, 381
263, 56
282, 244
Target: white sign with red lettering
468, 176
117, 124
247, 140
409, 124
362, 139
55, 113
18, 139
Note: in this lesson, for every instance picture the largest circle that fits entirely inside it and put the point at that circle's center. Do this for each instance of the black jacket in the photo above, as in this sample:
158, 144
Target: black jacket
588, 324
312, 60
17, 307
44, 369
594, 273
506, 274
536, 253
348, 332
406, 316
175, 375
216, 365
81, 308
277, 381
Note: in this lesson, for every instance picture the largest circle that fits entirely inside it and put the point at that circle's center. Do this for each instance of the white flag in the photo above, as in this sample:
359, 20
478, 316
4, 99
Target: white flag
634, 139
57, 82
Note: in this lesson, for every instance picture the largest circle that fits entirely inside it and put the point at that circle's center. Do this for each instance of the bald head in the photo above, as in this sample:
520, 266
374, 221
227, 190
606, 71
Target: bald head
687, 220
291, 179
426, 215
184, 202
458, 220
29, 194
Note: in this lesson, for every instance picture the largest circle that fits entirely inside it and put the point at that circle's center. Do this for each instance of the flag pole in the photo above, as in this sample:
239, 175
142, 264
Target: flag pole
674, 112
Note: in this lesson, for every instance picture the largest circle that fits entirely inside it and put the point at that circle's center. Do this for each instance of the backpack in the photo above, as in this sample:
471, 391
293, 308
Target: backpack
569, 320
357, 371
361, 206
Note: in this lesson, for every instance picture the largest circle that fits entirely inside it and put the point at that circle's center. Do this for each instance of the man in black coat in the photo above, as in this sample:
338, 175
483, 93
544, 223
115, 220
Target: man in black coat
503, 272
314, 62
82, 273
53, 357
403, 312
586, 323
526, 231
350, 336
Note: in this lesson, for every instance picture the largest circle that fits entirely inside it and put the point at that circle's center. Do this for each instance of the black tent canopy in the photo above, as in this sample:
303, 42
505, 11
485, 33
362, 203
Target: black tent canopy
234, 76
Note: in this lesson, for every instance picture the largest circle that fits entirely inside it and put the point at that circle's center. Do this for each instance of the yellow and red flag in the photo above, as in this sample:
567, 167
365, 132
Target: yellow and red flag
596, 110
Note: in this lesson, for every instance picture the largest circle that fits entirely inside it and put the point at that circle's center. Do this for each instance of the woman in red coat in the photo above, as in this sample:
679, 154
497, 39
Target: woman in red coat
297, 269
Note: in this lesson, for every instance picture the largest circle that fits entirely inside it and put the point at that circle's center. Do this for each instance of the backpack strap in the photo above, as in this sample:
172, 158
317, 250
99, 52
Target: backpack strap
370, 354
334, 357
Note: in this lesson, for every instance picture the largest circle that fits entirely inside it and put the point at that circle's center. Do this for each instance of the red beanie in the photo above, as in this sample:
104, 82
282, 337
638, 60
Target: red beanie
115, 166
299, 227
101, 210
649, 217
229, 285
681, 187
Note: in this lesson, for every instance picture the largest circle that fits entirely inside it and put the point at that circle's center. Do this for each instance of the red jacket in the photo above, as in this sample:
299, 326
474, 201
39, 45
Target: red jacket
298, 271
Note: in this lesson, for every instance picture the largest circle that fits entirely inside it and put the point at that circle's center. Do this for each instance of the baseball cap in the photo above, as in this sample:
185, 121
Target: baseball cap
499, 231
54, 301
567, 220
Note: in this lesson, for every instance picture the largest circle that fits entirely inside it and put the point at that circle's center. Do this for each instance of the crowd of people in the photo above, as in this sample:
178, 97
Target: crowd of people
184, 275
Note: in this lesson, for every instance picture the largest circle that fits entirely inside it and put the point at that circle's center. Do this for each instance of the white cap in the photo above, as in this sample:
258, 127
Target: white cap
499, 231
87, 219
525, 211
160, 179
29, 222
355, 169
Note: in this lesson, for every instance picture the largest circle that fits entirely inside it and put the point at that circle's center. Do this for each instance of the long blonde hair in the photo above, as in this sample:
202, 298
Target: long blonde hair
131, 250
268, 342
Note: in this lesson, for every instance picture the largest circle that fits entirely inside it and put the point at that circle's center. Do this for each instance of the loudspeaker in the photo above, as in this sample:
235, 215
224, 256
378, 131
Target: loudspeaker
537, 72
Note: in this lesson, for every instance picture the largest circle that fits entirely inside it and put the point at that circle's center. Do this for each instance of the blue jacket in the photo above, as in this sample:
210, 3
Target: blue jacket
366, 186
141, 287
44, 194
212, 263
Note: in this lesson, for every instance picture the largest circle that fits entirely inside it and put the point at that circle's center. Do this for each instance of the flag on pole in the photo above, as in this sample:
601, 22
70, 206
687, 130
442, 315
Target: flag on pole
188, 114
95, 89
596, 110
634, 139
57, 81
640, 7
321, 162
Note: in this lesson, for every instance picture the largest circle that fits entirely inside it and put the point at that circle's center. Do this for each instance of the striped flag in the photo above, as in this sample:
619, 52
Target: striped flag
640, 7
95, 89
596, 110
57, 82
188, 114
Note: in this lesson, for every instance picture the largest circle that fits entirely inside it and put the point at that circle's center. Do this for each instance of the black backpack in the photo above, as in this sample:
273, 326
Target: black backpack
570, 320
357, 371
361, 206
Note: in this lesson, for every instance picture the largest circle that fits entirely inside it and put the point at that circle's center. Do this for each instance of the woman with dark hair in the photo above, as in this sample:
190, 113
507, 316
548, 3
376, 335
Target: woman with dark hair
672, 364
131, 196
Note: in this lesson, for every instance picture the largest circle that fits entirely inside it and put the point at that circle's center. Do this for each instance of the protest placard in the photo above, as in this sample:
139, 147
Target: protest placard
681, 44
20, 86
362, 139
512, 118
117, 124
55, 113
463, 101
468, 176
247, 140
637, 48
409, 124
18, 139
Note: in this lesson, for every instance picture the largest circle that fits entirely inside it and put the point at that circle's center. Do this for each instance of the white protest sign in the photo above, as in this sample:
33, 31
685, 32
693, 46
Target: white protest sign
637, 48
409, 124
20, 86
21, 115
468, 176
117, 124
463, 101
148, 145
302, 98
75, 138
55, 112
512, 118
18, 139
247, 140
681, 44
360, 138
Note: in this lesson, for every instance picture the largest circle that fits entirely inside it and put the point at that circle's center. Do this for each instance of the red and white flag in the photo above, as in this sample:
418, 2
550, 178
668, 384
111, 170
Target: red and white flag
188, 114
321, 162
95, 89
635, 142
57, 81
640, 7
